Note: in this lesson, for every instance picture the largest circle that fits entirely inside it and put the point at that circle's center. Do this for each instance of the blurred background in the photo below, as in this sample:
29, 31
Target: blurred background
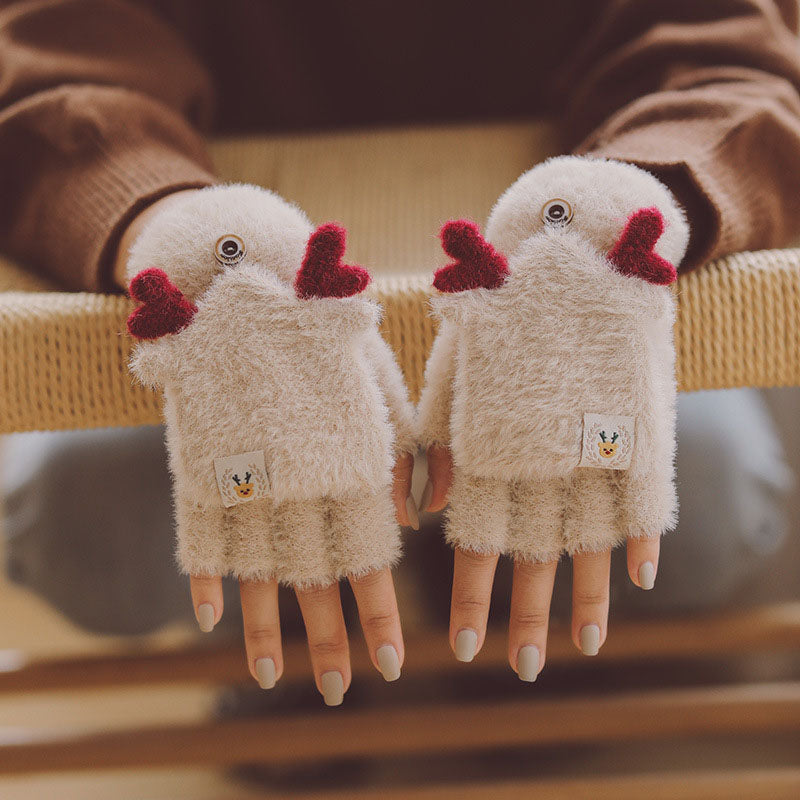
91, 595
106, 687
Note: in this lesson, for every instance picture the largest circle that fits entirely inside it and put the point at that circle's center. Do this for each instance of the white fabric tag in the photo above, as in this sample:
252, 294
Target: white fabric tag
242, 478
607, 441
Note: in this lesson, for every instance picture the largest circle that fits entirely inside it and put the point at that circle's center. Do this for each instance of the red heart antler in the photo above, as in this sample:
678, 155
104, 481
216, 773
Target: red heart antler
165, 309
477, 264
322, 273
633, 252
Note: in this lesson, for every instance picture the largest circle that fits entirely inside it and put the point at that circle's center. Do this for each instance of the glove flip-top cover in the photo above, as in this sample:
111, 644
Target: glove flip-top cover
552, 376
284, 407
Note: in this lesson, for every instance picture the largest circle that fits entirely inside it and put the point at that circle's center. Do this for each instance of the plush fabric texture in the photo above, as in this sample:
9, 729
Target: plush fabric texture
436, 399
566, 334
307, 380
605, 191
182, 242
164, 309
390, 378
322, 273
533, 521
477, 264
303, 543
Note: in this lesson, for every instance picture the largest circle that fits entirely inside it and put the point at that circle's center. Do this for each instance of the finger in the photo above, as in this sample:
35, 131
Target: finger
590, 584
405, 507
530, 614
643, 560
473, 576
440, 477
327, 640
262, 631
207, 600
380, 621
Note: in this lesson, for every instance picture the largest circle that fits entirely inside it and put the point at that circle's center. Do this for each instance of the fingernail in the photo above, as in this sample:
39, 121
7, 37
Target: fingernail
205, 617
388, 662
332, 688
411, 510
528, 663
466, 645
590, 640
427, 494
647, 575
265, 669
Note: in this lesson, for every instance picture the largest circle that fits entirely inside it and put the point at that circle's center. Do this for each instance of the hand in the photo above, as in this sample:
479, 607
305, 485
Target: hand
552, 378
473, 576
405, 508
236, 313
322, 614
325, 628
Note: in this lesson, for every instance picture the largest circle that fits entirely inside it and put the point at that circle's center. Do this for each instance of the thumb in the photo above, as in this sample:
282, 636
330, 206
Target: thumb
440, 477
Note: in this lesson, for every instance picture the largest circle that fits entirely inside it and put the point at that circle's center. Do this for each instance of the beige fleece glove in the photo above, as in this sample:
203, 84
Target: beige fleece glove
284, 407
552, 375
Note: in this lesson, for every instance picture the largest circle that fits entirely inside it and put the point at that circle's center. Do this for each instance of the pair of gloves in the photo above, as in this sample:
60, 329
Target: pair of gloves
551, 379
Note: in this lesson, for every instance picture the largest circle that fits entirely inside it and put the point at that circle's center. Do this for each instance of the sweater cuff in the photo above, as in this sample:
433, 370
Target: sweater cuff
119, 186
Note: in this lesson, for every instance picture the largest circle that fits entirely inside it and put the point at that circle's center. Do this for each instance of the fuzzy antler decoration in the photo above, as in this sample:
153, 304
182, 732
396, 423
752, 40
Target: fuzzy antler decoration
322, 273
633, 253
164, 310
477, 264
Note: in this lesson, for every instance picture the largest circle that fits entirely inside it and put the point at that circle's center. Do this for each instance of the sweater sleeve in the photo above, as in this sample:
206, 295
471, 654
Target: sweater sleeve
704, 96
99, 109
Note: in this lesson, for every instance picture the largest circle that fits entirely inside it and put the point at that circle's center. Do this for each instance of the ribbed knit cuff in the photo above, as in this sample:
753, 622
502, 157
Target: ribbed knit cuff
108, 152
118, 186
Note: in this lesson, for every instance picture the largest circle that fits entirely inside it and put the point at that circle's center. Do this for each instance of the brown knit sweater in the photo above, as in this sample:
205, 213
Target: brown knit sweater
102, 102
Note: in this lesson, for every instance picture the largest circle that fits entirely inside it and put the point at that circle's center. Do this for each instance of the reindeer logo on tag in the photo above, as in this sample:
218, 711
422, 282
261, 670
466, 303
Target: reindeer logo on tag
241, 478
244, 491
607, 441
608, 447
